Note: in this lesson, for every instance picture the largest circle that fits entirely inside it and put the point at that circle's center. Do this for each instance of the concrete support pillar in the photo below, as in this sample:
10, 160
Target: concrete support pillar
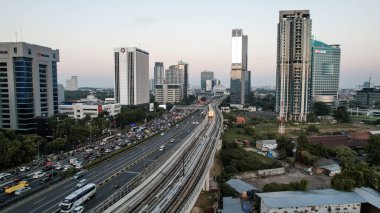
206, 185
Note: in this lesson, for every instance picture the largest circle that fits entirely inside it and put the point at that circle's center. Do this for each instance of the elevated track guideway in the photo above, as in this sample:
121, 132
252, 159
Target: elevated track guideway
174, 182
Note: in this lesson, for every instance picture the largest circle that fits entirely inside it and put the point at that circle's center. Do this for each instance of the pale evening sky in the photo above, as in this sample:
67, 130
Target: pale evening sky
195, 31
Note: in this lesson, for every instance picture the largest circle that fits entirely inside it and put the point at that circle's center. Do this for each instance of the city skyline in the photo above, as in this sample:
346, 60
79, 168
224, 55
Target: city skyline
86, 41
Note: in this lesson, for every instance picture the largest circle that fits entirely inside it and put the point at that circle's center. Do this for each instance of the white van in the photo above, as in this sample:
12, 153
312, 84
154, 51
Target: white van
162, 148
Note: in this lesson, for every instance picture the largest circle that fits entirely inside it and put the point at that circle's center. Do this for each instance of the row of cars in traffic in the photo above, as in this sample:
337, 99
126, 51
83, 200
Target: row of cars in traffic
20, 181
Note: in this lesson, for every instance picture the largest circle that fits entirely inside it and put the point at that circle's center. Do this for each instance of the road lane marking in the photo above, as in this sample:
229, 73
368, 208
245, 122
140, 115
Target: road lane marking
39, 201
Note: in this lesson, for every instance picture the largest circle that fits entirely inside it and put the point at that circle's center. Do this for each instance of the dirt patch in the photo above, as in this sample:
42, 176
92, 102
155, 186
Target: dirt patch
205, 200
315, 181
216, 169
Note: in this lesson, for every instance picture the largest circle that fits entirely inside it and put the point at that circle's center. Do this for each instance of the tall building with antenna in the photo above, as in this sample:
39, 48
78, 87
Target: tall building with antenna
28, 84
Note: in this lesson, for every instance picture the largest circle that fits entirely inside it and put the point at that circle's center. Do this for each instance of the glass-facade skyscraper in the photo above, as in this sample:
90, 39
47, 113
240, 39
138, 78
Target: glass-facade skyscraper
28, 84
206, 75
159, 73
240, 86
325, 70
293, 65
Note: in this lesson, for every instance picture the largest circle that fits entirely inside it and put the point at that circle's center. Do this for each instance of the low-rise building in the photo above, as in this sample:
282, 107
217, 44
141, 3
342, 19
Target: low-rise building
89, 106
266, 145
225, 109
336, 140
240, 120
327, 167
325, 201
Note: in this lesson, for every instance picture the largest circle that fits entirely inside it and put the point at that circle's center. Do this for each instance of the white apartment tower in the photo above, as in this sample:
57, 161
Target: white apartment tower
28, 84
293, 65
131, 76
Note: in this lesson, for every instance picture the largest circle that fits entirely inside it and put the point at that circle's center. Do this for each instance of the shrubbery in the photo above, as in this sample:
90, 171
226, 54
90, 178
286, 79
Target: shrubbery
292, 186
237, 159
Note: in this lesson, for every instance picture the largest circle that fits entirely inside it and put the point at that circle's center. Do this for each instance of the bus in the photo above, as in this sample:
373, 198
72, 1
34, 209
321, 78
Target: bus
78, 197
19, 185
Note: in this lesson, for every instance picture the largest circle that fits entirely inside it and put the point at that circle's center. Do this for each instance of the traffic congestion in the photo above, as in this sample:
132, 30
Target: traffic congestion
39, 174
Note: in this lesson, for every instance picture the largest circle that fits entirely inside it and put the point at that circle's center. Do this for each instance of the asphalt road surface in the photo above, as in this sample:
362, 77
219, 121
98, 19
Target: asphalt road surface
48, 200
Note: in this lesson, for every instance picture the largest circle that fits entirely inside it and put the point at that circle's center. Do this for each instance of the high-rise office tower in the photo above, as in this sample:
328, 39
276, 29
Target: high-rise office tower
72, 83
61, 93
131, 76
293, 65
159, 73
151, 85
240, 86
28, 84
206, 75
174, 75
325, 69
178, 74
185, 67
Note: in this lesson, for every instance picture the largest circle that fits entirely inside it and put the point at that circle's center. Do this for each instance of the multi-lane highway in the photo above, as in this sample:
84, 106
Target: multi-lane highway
127, 165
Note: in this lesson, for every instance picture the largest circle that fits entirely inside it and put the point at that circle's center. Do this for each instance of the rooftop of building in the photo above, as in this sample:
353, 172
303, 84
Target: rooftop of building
231, 205
288, 199
240, 186
273, 141
319, 44
336, 140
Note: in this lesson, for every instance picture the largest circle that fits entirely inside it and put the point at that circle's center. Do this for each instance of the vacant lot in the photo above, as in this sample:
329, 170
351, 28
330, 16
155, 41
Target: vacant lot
315, 181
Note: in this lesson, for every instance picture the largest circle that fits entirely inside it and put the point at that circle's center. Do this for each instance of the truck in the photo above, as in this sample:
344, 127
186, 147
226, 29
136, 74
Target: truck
73, 160
19, 185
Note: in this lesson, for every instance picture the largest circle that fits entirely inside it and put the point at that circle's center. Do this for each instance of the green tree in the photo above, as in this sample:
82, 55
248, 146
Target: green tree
285, 147
321, 108
346, 156
373, 150
341, 115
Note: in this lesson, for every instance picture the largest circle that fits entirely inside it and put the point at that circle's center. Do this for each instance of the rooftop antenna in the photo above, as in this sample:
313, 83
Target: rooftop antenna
16, 35
20, 34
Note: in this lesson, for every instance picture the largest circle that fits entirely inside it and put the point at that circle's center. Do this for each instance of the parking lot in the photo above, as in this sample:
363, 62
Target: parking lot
315, 181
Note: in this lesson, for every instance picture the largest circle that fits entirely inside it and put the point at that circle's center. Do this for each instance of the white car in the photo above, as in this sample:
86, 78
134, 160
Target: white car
162, 148
81, 183
76, 163
22, 190
172, 140
66, 167
162, 134
78, 209
88, 150
79, 166
24, 168
4, 176
107, 151
117, 147
39, 175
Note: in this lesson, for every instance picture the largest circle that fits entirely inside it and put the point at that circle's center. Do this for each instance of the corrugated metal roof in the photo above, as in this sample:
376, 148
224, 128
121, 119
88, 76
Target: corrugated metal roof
370, 195
231, 205
240, 186
310, 198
